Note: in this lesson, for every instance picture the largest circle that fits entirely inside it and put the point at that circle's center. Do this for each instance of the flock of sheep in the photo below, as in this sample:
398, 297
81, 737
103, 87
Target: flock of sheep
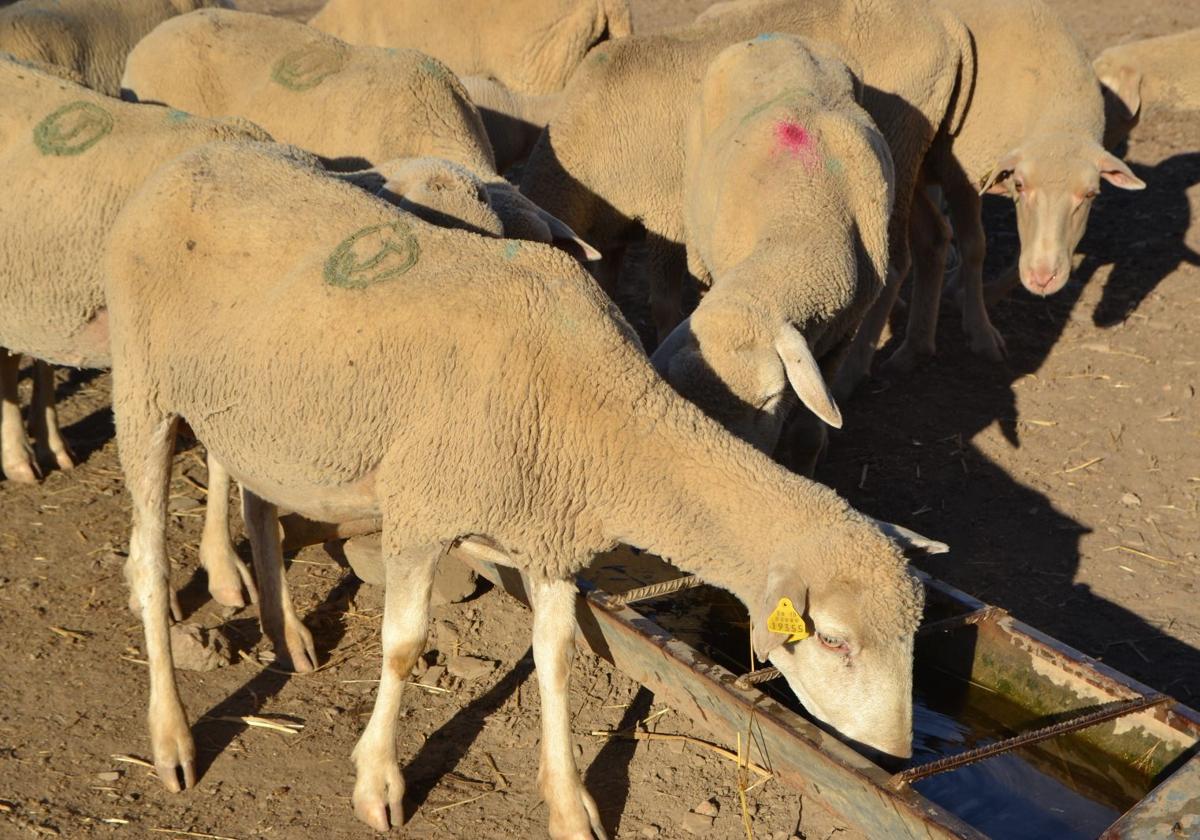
371, 322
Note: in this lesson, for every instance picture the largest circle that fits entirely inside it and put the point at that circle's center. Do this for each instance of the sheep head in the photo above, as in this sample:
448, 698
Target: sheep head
744, 369
837, 615
1053, 179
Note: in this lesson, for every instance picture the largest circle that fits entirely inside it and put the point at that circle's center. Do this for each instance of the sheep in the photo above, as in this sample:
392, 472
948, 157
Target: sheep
530, 46
1160, 70
70, 159
65, 150
545, 462
514, 121
787, 197
352, 106
91, 37
610, 163
1032, 132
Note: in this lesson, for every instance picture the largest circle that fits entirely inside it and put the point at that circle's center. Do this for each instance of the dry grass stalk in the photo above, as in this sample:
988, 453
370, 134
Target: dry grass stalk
184, 833
743, 761
501, 782
283, 727
637, 735
462, 802
131, 759
1138, 553
1084, 465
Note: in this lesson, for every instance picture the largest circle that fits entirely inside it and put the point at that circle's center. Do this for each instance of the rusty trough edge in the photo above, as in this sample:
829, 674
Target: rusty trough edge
1101, 676
799, 753
1171, 810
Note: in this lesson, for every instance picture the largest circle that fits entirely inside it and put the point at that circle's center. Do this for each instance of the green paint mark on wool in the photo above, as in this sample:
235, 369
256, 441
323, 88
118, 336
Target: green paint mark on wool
175, 116
787, 97
307, 67
511, 249
72, 129
373, 255
434, 68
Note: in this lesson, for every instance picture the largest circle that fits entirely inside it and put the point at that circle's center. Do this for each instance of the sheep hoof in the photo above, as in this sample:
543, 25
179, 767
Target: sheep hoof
987, 342
22, 469
228, 578
906, 359
174, 752
62, 457
379, 794
294, 648
576, 820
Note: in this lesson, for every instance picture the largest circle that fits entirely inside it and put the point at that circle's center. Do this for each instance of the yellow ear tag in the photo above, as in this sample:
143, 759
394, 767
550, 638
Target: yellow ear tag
785, 619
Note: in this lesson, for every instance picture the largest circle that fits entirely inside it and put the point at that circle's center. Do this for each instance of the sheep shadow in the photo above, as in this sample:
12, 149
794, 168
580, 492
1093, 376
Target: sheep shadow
215, 732
907, 455
90, 434
607, 777
1142, 236
448, 745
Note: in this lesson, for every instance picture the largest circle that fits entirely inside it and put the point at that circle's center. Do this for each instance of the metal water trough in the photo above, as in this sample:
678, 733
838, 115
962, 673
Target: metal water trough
993, 650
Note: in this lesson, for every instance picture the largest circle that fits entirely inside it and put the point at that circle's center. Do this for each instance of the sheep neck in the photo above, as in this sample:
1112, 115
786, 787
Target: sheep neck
688, 491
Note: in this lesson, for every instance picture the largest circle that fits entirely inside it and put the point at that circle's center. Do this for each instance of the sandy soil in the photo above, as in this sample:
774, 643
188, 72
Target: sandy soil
1066, 481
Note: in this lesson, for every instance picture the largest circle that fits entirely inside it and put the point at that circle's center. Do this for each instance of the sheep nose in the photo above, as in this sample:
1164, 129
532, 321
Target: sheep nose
1039, 280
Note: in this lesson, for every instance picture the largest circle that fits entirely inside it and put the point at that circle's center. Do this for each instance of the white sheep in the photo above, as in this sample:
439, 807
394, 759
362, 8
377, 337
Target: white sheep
530, 46
549, 463
787, 199
353, 106
91, 37
70, 157
65, 150
1033, 132
1042, 148
1161, 71
610, 164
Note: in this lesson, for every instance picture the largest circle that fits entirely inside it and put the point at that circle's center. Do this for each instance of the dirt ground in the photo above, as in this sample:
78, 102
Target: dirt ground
1066, 480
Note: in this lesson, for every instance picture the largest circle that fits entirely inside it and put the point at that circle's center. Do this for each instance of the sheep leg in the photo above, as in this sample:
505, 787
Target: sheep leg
16, 455
966, 215
573, 812
292, 640
857, 364
146, 443
227, 574
929, 236
378, 785
44, 420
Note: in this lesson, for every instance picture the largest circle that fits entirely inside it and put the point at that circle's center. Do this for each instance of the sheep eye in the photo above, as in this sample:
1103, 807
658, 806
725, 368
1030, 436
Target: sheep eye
834, 643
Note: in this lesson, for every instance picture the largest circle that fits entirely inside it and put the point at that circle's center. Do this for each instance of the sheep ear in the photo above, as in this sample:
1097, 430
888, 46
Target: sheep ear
910, 541
670, 346
567, 239
784, 602
1114, 170
996, 182
1126, 85
804, 374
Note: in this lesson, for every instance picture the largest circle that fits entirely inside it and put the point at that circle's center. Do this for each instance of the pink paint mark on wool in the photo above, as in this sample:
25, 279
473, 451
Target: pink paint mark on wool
792, 136
796, 140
